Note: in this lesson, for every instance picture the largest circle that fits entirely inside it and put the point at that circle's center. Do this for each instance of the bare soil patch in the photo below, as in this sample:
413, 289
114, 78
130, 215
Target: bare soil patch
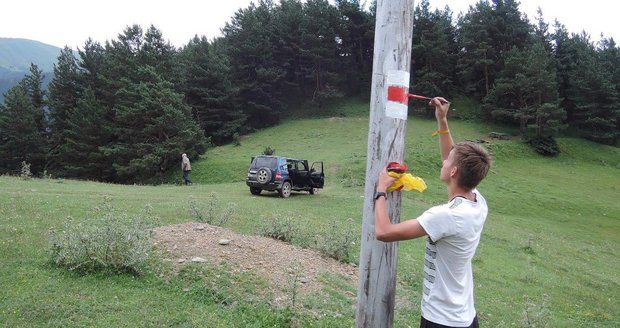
272, 259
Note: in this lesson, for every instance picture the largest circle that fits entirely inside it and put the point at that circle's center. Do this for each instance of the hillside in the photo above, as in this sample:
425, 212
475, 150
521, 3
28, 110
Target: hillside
16, 56
549, 248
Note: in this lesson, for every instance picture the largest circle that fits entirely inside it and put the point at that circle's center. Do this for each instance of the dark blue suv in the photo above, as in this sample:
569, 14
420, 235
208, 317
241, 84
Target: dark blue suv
283, 174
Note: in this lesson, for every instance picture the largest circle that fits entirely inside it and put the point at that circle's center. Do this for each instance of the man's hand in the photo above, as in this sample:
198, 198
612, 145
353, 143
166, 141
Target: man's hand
441, 107
385, 181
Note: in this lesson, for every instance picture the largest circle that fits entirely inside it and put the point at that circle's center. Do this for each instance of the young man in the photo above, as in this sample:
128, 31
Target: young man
453, 229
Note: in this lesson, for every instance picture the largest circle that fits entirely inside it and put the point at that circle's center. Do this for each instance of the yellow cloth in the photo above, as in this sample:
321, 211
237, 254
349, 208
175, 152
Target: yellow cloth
407, 182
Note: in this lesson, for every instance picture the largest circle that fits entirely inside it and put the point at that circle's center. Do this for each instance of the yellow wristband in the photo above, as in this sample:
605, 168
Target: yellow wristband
440, 132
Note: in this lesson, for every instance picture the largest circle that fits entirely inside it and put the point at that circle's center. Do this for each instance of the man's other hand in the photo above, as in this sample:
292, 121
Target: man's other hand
385, 181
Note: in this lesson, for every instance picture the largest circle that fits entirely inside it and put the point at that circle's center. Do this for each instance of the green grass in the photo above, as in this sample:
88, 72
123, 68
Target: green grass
553, 229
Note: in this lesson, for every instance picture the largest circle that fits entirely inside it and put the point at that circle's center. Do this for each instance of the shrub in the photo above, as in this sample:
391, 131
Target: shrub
351, 178
546, 146
46, 175
212, 213
279, 228
269, 151
107, 241
293, 282
25, 171
338, 241
536, 314
236, 139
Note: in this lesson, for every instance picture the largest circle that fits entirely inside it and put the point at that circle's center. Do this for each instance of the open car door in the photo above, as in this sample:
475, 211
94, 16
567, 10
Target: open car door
317, 177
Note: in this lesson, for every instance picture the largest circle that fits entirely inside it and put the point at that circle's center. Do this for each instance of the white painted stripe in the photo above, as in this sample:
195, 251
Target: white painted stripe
399, 78
396, 110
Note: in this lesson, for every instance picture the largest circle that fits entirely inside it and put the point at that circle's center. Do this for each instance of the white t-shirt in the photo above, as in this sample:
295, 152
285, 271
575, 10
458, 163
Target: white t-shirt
454, 232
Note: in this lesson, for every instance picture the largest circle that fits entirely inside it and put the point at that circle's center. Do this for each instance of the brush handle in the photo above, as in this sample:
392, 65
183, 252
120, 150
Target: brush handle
411, 95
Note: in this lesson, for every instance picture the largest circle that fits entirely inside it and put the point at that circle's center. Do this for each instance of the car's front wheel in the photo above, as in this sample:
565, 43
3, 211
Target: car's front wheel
285, 190
255, 190
313, 191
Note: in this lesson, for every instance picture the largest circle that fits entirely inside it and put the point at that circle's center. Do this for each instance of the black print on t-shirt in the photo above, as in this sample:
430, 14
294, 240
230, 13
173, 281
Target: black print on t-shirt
428, 277
429, 264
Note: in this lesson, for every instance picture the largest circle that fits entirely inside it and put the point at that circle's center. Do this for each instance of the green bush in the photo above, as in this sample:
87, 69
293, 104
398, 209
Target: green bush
536, 314
269, 151
236, 139
280, 229
546, 146
212, 213
351, 178
25, 171
106, 241
337, 241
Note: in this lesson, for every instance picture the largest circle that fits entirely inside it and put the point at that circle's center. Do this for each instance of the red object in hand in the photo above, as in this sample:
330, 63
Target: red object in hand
397, 167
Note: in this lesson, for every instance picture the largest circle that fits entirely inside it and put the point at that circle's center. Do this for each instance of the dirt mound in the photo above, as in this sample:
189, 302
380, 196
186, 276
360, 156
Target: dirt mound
267, 257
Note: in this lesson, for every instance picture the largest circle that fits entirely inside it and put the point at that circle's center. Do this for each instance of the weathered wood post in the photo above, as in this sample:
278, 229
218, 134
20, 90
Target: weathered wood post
388, 124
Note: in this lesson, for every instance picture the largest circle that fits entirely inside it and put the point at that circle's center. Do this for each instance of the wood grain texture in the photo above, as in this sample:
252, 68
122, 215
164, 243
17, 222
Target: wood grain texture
392, 51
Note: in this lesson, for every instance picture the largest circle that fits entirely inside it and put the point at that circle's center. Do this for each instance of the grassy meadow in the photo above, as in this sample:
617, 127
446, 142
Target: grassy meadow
548, 251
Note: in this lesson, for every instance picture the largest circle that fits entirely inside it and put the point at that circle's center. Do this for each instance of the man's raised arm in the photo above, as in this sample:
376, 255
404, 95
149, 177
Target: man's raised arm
441, 114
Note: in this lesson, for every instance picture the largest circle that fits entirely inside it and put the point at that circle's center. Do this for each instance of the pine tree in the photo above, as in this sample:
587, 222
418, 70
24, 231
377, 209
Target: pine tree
153, 127
64, 93
486, 33
356, 35
287, 50
92, 68
434, 52
209, 90
319, 51
541, 32
158, 53
21, 140
84, 136
587, 87
122, 60
476, 64
609, 55
256, 72
526, 93
33, 86
594, 96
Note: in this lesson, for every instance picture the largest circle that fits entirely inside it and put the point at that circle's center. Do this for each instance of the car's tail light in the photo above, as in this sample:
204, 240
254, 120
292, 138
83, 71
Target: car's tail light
278, 176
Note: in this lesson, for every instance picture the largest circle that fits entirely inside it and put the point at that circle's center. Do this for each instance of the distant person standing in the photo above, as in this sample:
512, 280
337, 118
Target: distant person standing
186, 166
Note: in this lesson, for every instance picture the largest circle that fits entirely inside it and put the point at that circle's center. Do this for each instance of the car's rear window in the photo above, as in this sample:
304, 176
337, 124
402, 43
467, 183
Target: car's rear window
269, 162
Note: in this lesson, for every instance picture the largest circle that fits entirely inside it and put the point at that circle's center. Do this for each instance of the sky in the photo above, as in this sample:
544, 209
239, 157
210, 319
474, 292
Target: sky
71, 22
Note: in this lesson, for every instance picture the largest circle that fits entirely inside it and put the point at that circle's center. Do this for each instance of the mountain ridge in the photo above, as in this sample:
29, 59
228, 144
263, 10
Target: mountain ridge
16, 55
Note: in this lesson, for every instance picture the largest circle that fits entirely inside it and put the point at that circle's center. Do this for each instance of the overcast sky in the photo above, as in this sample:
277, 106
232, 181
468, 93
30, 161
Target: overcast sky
71, 22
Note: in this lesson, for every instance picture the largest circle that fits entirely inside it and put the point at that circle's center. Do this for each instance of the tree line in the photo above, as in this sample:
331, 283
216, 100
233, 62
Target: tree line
123, 111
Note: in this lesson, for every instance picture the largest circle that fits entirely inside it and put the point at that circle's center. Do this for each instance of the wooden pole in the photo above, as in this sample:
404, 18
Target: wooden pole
388, 125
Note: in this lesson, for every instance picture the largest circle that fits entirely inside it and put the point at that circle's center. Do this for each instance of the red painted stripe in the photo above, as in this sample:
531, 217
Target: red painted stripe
398, 94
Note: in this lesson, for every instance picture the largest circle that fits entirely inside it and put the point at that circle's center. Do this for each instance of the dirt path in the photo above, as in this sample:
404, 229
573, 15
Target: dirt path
266, 257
